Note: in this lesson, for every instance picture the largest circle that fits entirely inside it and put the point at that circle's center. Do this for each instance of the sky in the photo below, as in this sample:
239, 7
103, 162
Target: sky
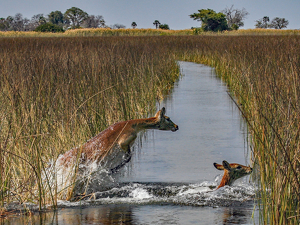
175, 13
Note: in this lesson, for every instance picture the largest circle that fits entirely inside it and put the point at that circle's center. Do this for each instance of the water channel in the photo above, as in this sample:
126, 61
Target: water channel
170, 176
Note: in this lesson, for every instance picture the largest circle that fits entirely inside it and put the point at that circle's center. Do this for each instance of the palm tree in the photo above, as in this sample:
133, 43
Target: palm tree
133, 25
156, 23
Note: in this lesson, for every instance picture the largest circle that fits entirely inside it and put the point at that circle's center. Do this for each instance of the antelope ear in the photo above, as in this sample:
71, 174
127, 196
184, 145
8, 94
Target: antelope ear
218, 166
160, 114
226, 165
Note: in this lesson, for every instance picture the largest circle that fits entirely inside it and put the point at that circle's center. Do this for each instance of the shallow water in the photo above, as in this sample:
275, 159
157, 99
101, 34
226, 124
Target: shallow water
171, 176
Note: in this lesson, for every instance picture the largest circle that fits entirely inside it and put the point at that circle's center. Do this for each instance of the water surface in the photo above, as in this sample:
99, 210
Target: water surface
171, 175
210, 130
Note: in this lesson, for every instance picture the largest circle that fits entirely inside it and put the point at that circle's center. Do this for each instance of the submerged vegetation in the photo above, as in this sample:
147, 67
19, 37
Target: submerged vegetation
58, 92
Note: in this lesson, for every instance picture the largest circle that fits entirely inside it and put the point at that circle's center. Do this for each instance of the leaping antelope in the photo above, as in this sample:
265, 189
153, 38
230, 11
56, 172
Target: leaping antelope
111, 147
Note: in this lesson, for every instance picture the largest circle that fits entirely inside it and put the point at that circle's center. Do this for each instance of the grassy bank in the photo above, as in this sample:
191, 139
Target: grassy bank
99, 32
107, 32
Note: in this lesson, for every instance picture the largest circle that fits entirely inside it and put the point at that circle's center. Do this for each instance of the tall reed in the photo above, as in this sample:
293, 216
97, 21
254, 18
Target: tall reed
56, 93
263, 72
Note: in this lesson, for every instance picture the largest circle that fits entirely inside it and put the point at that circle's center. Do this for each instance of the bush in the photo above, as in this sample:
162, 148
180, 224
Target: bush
49, 27
197, 30
234, 27
164, 26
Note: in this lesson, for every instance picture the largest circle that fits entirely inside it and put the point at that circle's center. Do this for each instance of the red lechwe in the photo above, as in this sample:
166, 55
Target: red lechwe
232, 172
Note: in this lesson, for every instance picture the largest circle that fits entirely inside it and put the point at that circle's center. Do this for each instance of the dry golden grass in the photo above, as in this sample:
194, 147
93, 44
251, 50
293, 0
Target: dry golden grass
263, 72
91, 32
58, 92
125, 32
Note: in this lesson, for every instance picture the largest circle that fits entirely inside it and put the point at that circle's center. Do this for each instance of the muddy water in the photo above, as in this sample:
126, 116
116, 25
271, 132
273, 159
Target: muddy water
170, 178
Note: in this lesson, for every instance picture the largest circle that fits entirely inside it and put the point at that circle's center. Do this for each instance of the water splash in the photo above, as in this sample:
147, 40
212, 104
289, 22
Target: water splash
199, 194
79, 177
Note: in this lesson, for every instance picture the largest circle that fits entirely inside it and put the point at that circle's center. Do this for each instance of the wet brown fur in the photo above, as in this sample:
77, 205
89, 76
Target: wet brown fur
120, 135
232, 172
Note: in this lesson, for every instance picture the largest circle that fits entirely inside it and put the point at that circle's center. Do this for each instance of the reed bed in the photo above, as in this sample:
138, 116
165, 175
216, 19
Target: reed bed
125, 32
56, 93
102, 32
260, 31
263, 73
14, 34
107, 32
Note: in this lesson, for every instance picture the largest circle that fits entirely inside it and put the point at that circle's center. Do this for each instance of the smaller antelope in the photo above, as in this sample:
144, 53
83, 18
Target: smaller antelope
232, 172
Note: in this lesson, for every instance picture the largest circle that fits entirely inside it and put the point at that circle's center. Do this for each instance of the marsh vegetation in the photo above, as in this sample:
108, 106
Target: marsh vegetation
58, 92
107, 32
264, 75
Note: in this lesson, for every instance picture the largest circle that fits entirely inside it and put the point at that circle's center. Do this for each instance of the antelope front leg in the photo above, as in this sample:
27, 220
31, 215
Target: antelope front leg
127, 157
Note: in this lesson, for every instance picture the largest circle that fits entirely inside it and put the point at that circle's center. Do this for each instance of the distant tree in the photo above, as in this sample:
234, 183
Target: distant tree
49, 27
235, 17
258, 24
75, 17
279, 23
35, 21
234, 27
2, 23
5, 24
164, 26
10, 21
210, 20
39, 19
56, 17
266, 19
156, 23
94, 22
118, 26
134, 25
263, 22
16, 23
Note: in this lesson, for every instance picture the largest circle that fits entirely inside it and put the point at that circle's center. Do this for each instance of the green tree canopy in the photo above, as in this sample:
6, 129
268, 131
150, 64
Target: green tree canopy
210, 20
75, 16
56, 17
156, 23
134, 25
49, 27
5, 23
164, 26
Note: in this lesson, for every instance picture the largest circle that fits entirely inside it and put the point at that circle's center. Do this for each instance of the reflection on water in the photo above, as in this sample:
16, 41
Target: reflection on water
170, 179
146, 214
